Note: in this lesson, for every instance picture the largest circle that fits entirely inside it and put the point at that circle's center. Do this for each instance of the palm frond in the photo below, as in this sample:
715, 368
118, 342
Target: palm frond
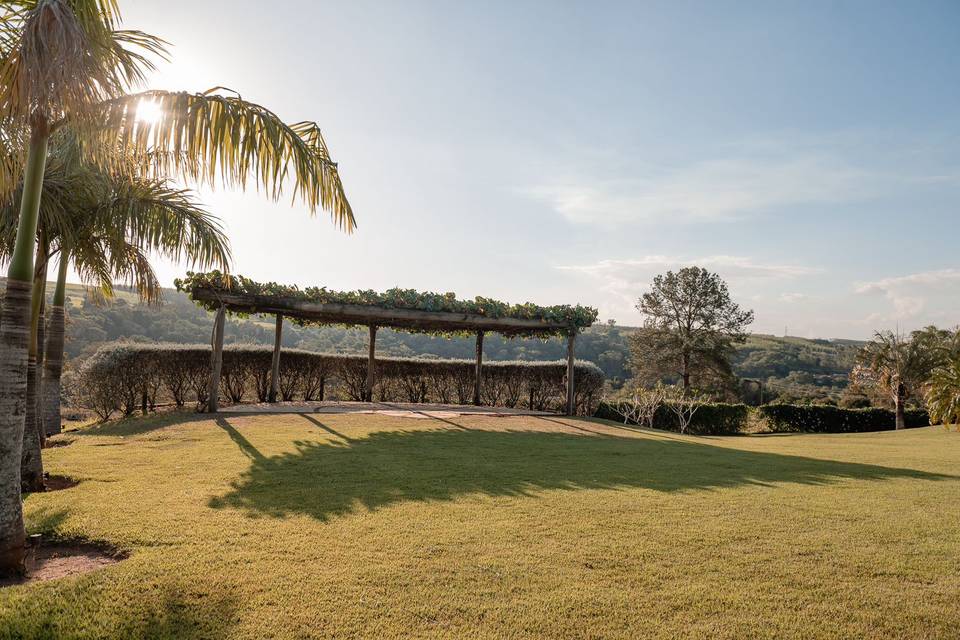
217, 136
63, 57
170, 221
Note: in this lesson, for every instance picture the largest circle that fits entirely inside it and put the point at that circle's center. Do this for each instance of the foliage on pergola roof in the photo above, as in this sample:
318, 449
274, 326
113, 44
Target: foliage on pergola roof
405, 309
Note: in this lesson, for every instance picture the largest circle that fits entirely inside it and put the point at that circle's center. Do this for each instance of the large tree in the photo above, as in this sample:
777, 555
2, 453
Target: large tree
689, 331
897, 366
67, 63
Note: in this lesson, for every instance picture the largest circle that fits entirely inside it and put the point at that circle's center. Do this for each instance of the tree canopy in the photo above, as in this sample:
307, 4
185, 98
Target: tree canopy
689, 330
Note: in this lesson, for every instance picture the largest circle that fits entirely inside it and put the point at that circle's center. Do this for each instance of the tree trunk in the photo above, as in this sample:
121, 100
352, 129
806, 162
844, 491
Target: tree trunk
900, 400
275, 363
14, 341
216, 361
371, 365
478, 369
53, 354
41, 341
571, 375
685, 372
31, 465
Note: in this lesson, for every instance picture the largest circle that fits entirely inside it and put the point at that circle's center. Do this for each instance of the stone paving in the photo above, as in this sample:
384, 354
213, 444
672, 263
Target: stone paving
397, 409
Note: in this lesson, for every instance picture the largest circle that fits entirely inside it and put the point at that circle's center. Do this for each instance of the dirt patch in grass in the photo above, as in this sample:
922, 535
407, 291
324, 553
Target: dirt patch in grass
58, 483
52, 559
60, 442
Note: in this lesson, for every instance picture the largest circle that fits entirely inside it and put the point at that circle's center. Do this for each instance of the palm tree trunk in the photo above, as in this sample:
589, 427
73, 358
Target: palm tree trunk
31, 462
14, 341
901, 414
53, 356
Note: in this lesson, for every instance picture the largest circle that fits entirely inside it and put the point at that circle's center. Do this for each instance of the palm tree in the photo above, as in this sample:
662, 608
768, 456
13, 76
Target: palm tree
896, 365
943, 394
67, 63
105, 223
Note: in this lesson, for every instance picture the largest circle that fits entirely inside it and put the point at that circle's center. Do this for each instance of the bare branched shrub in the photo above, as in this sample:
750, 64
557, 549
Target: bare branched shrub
123, 377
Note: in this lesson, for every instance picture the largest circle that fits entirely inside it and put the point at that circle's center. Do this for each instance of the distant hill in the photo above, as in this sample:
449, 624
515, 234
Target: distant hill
797, 366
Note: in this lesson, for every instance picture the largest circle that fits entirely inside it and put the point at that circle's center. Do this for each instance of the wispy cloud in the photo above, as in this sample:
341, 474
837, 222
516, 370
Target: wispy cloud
717, 190
932, 294
622, 281
729, 266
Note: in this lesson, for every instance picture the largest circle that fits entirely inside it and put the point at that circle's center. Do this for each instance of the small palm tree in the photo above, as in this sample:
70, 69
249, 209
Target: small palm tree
896, 365
943, 394
67, 63
105, 224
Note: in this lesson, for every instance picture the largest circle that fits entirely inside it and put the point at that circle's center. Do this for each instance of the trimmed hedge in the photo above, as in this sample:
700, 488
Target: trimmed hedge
827, 419
710, 419
730, 419
126, 377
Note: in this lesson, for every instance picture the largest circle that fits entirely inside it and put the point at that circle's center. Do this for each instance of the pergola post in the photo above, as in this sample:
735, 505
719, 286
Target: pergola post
216, 361
275, 365
478, 371
371, 364
571, 390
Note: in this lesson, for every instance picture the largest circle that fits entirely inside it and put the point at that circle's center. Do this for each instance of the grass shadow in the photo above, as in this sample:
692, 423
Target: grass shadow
160, 609
138, 425
326, 479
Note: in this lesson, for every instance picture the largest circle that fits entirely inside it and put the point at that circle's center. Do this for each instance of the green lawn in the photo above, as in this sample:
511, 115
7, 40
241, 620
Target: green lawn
361, 526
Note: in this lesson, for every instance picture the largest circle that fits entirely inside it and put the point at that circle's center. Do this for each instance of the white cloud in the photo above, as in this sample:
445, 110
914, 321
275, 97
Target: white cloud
716, 191
793, 297
737, 267
933, 295
622, 281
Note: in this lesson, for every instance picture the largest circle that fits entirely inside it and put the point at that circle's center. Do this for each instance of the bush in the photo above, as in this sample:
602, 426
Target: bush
729, 419
716, 419
124, 377
827, 419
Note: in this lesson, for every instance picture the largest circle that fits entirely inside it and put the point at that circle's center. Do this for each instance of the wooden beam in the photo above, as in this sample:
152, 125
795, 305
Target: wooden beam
275, 365
364, 314
371, 364
478, 371
571, 390
216, 361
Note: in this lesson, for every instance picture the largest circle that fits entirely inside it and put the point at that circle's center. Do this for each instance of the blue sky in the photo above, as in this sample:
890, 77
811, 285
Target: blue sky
568, 152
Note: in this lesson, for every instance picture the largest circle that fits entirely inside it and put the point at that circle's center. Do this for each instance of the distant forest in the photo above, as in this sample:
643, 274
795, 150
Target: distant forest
792, 368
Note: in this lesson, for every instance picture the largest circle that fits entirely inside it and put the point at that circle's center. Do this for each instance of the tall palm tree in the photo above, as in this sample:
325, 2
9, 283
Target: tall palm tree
67, 62
896, 365
105, 223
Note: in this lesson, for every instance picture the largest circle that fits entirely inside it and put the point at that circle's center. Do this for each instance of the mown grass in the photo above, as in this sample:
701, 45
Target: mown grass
369, 526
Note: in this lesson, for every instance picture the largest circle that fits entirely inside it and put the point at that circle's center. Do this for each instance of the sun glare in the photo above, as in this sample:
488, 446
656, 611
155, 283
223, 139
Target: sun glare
148, 112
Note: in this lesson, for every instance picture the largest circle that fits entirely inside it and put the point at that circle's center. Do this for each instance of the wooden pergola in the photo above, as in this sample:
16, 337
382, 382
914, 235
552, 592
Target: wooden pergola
373, 317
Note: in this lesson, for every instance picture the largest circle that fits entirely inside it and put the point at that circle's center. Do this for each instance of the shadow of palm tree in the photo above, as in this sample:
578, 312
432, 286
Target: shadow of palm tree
158, 609
325, 479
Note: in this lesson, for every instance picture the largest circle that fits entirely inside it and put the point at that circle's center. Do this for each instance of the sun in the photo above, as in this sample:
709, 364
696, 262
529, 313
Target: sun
148, 111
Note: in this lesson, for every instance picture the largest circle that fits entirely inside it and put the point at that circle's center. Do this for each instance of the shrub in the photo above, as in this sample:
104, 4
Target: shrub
125, 376
827, 419
715, 419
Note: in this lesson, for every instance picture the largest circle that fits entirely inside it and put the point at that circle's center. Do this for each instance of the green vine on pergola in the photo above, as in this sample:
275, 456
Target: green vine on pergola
572, 319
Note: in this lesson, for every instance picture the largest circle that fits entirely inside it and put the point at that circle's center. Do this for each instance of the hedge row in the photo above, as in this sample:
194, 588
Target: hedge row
729, 419
710, 419
827, 419
128, 377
